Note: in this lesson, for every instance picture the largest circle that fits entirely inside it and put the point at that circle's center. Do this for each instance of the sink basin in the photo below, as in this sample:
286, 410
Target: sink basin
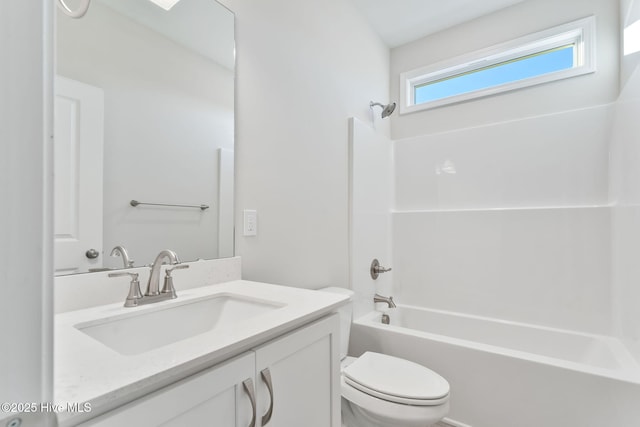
141, 331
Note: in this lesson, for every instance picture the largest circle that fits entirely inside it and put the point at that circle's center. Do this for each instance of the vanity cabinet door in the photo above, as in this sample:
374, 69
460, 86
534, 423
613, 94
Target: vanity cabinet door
215, 397
298, 377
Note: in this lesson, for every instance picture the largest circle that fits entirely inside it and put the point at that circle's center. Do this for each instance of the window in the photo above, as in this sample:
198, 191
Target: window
631, 38
554, 54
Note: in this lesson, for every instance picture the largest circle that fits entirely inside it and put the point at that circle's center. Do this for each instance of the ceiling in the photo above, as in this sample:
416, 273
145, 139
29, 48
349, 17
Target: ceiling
203, 26
396, 21
402, 21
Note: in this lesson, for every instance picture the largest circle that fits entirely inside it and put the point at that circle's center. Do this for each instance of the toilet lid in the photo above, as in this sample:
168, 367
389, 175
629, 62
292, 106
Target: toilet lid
395, 379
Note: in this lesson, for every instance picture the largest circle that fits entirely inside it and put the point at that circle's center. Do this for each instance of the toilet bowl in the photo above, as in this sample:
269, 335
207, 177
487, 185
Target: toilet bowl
379, 390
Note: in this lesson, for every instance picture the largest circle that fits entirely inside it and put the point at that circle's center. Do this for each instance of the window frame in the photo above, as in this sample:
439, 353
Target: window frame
580, 32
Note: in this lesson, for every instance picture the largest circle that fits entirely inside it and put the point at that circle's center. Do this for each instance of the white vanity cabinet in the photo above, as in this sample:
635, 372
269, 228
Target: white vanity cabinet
215, 397
298, 378
304, 389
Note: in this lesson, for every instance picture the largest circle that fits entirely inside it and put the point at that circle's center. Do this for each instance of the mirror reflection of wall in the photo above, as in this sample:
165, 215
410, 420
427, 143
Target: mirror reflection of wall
168, 83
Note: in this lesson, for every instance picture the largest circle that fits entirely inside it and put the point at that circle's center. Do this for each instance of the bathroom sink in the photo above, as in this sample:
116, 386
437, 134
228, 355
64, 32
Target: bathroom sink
141, 331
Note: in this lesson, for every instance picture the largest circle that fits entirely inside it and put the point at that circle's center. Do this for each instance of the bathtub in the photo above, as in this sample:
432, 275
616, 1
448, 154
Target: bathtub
507, 374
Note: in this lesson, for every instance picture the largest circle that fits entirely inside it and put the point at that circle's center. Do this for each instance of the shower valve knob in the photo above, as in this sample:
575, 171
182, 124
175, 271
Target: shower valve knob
376, 269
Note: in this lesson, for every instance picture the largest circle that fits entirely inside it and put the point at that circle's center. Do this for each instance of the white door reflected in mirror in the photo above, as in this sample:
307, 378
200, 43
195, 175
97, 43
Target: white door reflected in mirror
78, 148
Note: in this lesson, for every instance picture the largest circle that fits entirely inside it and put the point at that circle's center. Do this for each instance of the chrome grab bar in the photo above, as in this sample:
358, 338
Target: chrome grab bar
135, 203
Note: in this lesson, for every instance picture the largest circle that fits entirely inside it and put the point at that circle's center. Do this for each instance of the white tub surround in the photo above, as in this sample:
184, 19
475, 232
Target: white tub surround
544, 266
549, 160
509, 220
88, 371
508, 373
625, 193
371, 194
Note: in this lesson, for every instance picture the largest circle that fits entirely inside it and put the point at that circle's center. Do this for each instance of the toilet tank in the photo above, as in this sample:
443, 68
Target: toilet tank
345, 312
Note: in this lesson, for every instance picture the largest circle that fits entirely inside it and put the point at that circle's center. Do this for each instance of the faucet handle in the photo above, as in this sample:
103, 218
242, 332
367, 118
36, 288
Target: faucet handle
168, 271
376, 269
167, 287
125, 273
134, 295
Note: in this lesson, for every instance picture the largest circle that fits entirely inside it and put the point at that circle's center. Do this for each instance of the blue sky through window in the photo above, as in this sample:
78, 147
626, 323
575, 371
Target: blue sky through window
507, 72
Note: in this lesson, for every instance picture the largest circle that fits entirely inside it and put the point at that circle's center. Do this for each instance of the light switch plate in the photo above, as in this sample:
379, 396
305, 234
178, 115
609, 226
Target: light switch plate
250, 222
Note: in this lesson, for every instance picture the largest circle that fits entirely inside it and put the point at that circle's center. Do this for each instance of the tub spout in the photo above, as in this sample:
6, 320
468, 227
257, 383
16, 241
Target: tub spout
380, 298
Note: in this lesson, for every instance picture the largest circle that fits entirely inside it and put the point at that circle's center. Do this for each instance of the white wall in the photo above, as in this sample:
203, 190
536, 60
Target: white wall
26, 267
507, 24
167, 111
303, 68
502, 202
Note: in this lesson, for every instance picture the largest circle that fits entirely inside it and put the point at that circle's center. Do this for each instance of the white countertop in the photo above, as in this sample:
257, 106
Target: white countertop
86, 370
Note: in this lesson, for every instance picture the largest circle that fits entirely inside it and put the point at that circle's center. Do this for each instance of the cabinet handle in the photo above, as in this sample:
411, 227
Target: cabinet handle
266, 377
248, 387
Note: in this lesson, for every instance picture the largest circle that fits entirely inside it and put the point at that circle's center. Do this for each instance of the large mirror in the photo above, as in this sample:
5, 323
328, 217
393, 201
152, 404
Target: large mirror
144, 111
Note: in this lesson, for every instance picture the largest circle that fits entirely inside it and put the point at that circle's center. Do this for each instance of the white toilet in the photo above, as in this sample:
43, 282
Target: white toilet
385, 391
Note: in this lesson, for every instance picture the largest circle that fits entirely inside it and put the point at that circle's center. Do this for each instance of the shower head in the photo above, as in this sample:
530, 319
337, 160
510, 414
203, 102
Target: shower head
386, 109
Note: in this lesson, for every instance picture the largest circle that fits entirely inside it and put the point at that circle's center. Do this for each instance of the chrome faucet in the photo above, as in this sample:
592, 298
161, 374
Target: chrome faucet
153, 285
121, 251
153, 294
380, 298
